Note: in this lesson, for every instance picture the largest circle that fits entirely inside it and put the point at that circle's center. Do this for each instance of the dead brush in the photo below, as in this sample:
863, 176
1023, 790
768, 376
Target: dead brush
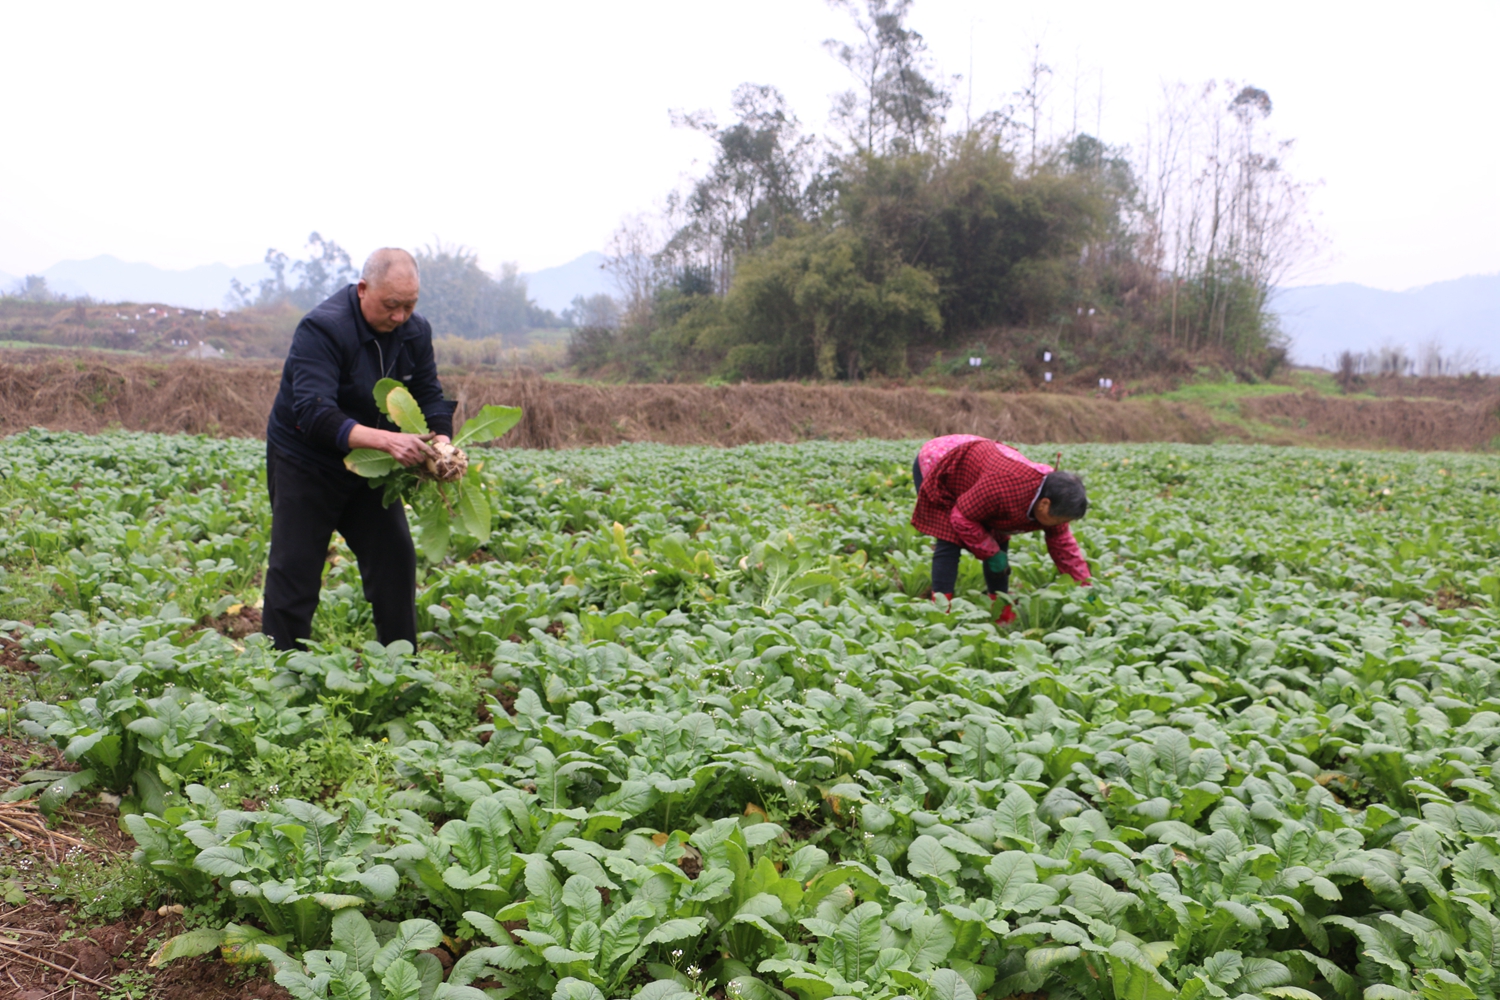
92, 393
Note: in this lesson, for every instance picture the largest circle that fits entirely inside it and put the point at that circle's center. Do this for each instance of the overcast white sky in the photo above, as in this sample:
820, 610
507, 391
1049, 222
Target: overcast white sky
184, 134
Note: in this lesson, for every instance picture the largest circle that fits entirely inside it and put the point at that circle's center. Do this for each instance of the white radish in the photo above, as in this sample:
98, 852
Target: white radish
449, 464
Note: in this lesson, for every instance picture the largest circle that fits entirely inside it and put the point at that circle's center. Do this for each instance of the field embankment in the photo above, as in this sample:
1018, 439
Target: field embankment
1421, 424
232, 399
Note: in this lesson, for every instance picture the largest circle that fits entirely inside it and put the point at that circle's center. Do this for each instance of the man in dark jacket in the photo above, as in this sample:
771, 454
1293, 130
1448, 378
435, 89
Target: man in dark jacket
325, 408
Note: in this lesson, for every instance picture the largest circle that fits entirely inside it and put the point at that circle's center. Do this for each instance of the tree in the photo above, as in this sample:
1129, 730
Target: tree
595, 321
638, 266
897, 104
822, 304
1223, 219
775, 265
326, 270
999, 245
33, 288
1033, 97
758, 186
598, 311
460, 299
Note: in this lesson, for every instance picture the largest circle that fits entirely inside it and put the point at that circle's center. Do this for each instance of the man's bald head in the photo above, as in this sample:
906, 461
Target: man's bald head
380, 263
388, 288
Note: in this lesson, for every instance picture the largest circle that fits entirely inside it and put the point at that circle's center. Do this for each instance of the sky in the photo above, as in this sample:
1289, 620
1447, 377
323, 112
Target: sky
194, 133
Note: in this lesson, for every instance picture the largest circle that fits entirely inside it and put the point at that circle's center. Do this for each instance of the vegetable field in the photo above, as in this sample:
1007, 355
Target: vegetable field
686, 725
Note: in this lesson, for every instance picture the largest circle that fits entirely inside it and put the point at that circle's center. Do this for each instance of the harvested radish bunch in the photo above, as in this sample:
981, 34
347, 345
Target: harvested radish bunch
445, 488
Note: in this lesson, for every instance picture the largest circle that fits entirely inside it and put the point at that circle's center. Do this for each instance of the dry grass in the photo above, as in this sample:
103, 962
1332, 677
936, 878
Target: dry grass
191, 397
1462, 388
560, 415
497, 352
1418, 424
232, 399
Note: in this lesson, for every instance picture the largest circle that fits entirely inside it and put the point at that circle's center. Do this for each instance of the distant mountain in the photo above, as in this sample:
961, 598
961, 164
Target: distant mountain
1462, 315
554, 287
109, 279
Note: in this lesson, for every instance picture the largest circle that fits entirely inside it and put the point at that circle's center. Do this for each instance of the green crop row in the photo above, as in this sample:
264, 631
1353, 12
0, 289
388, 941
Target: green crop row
685, 725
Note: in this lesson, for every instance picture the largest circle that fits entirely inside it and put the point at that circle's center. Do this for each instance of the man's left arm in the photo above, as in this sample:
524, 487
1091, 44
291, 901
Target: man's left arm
1064, 550
425, 387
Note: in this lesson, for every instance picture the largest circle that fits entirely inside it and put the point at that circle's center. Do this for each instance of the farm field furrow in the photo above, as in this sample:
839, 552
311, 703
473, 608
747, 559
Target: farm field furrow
686, 725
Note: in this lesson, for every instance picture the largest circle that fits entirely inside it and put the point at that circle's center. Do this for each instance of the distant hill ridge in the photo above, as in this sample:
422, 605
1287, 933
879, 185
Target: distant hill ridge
1462, 315
107, 278
1321, 321
555, 287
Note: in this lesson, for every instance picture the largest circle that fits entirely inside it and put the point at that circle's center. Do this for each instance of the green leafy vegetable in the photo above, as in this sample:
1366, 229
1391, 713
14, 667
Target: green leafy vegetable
445, 491
727, 746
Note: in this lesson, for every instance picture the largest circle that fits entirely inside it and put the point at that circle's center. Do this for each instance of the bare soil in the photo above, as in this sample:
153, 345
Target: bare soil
46, 952
235, 623
10, 654
44, 957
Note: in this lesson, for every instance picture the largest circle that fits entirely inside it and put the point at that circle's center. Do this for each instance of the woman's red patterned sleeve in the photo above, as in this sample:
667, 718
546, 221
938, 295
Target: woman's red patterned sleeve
1063, 548
976, 537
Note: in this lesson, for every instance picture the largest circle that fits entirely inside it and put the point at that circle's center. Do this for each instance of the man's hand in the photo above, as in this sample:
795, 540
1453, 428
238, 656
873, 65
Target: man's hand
408, 449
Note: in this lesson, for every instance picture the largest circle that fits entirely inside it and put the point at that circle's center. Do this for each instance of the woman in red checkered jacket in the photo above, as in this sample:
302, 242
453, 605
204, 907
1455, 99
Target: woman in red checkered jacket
974, 493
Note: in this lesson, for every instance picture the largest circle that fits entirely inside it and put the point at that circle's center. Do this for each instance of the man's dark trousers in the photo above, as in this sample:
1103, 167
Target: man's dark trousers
307, 506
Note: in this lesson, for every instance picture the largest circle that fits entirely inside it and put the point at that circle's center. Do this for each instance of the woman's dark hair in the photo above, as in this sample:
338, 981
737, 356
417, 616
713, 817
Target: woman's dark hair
1065, 490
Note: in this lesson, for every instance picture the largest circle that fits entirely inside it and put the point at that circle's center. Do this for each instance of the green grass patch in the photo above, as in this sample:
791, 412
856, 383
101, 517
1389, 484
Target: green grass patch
27, 345
28, 593
102, 888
